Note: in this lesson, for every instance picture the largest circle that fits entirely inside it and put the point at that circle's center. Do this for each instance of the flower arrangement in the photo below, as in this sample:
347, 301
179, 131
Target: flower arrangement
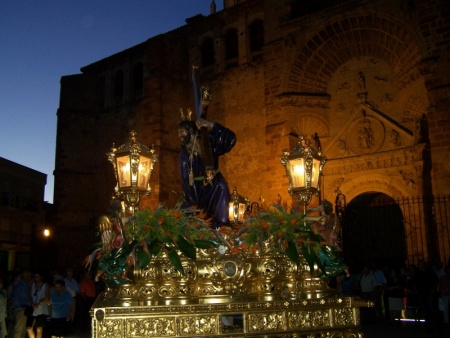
288, 232
171, 231
174, 231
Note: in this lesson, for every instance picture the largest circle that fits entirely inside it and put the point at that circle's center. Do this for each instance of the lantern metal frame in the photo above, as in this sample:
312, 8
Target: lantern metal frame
133, 164
304, 166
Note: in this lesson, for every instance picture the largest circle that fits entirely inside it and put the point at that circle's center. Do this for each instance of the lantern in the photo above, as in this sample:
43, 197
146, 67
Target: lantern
133, 164
237, 207
304, 166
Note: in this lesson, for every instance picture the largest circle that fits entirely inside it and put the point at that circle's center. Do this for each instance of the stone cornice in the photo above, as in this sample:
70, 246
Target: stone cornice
389, 159
310, 100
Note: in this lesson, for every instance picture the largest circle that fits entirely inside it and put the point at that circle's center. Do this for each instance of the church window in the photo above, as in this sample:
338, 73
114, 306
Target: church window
256, 32
207, 52
118, 86
231, 44
137, 80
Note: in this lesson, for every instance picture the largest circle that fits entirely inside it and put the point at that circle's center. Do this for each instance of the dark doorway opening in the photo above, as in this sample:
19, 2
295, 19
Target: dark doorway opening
373, 231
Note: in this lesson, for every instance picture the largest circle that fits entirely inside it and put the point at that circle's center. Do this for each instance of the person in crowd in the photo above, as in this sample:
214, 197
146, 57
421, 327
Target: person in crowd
63, 306
3, 307
72, 286
88, 294
38, 320
21, 300
346, 283
202, 183
444, 293
378, 290
10, 312
394, 295
367, 283
426, 283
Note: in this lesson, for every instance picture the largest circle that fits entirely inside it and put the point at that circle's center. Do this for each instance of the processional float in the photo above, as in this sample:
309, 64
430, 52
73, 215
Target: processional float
169, 274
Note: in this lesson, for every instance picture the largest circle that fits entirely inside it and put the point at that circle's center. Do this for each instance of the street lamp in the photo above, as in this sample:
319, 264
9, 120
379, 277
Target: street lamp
237, 207
133, 164
304, 166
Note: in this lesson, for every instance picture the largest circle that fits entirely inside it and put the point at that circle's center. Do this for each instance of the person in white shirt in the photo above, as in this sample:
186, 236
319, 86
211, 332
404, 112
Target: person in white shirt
39, 292
367, 284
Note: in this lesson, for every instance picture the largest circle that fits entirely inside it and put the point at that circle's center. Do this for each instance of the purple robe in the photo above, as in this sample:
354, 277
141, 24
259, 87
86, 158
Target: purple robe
213, 198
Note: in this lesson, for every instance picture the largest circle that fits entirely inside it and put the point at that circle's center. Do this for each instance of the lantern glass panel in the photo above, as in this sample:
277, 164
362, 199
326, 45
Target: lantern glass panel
124, 171
231, 212
144, 172
297, 171
315, 174
241, 212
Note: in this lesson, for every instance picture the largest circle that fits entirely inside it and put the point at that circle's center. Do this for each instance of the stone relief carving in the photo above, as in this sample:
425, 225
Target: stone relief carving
365, 135
369, 185
380, 79
394, 138
342, 147
428, 66
387, 98
334, 187
343, 87
306, 125
408, 178
366, 138
394, 158
341, 107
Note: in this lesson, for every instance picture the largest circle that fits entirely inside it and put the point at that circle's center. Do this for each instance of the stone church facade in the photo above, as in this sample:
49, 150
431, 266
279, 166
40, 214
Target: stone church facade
371, 79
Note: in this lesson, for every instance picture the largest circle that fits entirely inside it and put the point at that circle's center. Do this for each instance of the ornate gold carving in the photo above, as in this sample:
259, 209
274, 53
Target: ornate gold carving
266, 291
110, 328
151, 327
198, 325
343, 316
261, 322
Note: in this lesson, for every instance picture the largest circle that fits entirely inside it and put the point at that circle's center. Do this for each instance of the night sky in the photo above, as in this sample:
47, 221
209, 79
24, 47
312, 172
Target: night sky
41, 41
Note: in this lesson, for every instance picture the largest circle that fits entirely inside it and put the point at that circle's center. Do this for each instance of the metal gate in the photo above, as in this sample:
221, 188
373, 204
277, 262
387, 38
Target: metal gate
401, 231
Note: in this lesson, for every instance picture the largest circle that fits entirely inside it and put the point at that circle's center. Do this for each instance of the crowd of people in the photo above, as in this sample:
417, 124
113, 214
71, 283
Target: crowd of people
34, 303
417, 292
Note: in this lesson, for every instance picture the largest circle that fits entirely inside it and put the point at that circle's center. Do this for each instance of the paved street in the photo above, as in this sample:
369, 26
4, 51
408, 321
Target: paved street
399, 330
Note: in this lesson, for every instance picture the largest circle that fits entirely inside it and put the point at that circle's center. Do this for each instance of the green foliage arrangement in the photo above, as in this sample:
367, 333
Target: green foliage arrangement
171, 231
287, 232
174, 231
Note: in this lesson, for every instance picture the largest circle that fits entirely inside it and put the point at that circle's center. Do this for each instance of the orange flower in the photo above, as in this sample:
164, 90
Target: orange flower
264, 225
254, 248
235, 250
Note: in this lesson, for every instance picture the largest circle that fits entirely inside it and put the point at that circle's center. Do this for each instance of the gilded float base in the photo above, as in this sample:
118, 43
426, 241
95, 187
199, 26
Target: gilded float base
321, 317
226, 295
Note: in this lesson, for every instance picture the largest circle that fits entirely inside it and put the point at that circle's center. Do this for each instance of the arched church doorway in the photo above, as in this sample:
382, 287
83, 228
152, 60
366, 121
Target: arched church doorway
373, 231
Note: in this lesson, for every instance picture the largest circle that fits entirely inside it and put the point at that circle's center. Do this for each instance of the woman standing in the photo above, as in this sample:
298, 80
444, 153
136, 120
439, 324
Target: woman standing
39, 292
